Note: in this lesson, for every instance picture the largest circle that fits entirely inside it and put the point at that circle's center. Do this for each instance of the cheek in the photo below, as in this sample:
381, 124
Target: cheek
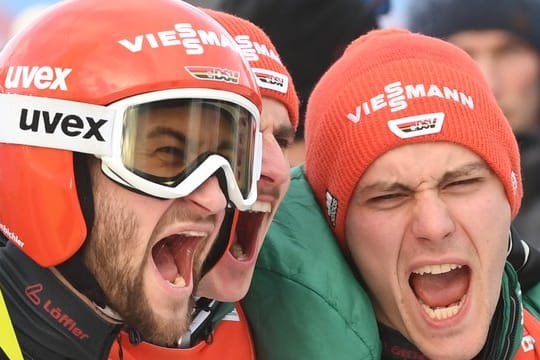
483, 219
275, 165
368, 237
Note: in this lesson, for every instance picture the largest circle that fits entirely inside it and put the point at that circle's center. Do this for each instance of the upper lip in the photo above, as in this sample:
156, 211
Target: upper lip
436, 268
205, 229
268, 195
266, 198
419, 264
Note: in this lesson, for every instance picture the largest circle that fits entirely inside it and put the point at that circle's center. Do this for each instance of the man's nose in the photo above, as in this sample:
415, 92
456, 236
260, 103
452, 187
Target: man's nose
209, 197
431, 218
275, 167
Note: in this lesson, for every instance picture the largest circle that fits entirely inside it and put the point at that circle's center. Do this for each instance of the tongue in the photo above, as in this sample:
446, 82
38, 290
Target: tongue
442, 289
165, 263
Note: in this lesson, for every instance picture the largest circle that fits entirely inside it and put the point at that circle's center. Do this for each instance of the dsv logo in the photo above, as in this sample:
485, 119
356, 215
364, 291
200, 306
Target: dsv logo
56, 313
70, 124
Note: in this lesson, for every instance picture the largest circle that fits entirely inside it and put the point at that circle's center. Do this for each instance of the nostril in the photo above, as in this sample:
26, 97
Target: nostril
209, 196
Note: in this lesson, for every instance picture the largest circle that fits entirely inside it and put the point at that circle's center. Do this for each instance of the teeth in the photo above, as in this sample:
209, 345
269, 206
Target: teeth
436, 269
260, 206
443, 312
193, 234
238, 252
179, 281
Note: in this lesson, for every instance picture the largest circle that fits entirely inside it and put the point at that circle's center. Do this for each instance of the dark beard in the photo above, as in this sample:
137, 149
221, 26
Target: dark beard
108, 257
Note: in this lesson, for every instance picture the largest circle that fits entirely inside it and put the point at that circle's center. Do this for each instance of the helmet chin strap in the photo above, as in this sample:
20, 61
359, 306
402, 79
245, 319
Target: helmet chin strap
226, 232
74, 269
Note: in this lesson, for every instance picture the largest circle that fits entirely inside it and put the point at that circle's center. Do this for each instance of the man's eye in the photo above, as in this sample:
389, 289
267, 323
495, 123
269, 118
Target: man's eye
463, 182
284, 143
169, 150
387, 201
386, 197
170, 154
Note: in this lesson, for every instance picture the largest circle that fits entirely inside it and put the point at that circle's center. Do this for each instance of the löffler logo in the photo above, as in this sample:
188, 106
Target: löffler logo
33, 292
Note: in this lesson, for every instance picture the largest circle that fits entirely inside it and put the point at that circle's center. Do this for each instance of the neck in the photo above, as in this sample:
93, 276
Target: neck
51, 320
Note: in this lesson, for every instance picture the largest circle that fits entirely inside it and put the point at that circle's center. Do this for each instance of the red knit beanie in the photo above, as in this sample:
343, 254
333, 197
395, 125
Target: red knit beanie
271, 75
392, 87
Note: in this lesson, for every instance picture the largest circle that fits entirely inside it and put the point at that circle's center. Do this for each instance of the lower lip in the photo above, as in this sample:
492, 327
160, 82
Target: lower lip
452, 321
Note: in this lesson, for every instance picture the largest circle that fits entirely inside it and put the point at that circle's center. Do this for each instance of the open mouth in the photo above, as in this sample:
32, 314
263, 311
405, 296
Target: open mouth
441, 289
247, 231
174, 256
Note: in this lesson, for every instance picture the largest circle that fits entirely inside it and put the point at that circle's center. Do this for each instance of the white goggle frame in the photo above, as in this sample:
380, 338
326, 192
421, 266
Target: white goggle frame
98, 130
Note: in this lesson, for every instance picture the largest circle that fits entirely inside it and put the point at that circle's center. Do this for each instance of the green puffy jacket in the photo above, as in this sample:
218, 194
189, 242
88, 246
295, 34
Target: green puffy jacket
318, 298
304, 301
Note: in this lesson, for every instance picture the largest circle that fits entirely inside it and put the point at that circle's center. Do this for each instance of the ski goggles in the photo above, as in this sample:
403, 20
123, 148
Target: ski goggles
164, 143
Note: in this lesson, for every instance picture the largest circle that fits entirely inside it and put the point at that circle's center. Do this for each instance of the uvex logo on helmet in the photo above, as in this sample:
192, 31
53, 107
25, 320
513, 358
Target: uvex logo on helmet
39, 77
70, 124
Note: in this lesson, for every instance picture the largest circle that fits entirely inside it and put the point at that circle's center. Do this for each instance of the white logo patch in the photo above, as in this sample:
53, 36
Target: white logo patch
513, 179
417, 125
271, 80
331, 208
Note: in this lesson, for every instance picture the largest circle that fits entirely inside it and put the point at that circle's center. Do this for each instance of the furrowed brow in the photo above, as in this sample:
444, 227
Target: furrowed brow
382, 186
465, 170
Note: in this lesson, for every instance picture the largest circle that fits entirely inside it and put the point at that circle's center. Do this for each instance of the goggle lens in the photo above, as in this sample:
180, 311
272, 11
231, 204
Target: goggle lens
164, 141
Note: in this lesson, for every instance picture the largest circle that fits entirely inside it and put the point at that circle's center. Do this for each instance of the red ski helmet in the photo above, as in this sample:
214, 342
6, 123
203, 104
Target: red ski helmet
83, 78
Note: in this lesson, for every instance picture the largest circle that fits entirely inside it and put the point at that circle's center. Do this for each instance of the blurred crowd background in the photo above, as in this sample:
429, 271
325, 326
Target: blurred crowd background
14, 13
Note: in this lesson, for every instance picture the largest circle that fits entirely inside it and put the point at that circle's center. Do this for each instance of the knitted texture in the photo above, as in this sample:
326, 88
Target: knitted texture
273, 78
392, 87
442, 18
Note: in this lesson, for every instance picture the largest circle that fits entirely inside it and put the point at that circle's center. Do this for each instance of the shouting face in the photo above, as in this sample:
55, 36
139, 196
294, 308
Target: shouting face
229, 280
428, 227
147, 253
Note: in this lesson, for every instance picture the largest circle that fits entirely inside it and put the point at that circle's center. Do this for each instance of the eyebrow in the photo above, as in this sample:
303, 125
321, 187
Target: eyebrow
160, 131
382, 186
463, 170
284, 131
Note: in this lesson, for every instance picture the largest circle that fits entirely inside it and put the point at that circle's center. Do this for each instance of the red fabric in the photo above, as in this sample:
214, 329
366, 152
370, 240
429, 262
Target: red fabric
264, 60
531, 334
232, 341
390, 88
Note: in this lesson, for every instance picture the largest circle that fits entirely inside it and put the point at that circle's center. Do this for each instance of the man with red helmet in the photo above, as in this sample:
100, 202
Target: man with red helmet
219, 329
127, 139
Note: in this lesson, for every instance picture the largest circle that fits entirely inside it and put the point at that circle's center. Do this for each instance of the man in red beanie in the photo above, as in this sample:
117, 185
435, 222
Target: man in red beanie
416, 171
504, 39
219, 328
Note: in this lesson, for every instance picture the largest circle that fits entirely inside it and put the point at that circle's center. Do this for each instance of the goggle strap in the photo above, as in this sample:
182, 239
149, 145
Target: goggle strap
57, 124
